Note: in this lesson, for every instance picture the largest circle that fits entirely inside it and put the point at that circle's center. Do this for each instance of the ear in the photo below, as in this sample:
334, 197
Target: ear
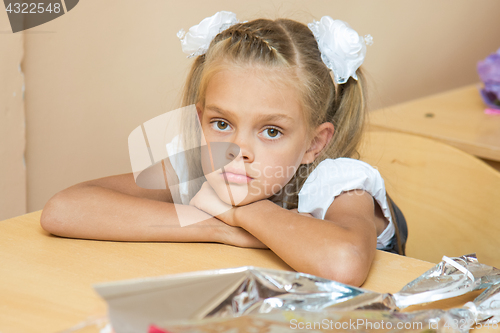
322, 136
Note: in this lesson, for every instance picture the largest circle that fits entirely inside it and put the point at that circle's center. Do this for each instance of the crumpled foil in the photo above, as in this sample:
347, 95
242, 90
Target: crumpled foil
429, 321
233, 292
450, 278
216, 295
483, 312
487, 305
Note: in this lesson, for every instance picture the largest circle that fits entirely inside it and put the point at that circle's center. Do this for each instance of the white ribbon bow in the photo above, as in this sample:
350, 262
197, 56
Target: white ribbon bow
197, 40
342, 49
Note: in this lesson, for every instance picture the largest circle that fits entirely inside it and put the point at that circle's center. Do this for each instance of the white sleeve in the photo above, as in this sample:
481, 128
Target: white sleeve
334, 176
179, 163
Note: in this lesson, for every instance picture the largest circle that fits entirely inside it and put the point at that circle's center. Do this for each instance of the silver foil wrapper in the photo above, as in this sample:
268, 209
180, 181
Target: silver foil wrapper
486, 307
450, 278
430, 321
135, 304
483, 312
218, 295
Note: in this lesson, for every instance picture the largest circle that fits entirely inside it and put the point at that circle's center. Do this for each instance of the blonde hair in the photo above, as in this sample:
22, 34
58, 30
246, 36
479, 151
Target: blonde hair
290, 48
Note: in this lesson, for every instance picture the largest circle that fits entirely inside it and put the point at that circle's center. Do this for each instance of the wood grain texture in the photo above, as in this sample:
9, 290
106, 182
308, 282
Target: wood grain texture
455, 117
449, 198
46, 281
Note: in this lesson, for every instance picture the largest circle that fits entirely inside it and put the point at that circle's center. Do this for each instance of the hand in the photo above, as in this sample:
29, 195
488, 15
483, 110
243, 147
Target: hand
240, 237
208, 201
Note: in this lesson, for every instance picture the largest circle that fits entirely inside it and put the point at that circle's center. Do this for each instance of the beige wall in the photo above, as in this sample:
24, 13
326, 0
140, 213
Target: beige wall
96, 73
12, 122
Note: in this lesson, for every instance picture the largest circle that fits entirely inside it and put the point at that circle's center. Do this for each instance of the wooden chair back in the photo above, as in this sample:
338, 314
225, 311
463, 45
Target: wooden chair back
451, 200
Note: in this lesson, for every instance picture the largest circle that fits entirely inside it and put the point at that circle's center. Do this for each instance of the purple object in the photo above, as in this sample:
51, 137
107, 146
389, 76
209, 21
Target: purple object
489, 72
489, 99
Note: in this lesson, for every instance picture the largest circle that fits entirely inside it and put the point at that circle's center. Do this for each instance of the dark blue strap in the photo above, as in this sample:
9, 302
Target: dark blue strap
403, 231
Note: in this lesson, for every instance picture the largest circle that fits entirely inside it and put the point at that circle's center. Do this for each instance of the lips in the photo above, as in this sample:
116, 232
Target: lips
236, 176
241, 172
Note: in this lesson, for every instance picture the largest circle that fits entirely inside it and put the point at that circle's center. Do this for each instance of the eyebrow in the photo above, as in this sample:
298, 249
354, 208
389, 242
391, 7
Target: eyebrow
265, 117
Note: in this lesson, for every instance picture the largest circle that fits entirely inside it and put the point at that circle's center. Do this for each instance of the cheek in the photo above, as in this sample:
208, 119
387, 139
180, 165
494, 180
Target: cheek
219, 187
276, 176
285, 165
211, 178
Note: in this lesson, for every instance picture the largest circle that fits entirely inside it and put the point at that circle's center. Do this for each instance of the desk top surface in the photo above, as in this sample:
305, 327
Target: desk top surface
456, 117
46, 281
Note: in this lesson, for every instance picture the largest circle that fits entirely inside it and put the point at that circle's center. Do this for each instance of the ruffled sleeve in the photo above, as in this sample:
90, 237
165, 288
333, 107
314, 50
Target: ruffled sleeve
334, 176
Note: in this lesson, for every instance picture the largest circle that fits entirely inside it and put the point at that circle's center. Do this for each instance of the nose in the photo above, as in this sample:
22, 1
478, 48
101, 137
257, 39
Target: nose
232, 151
240, 147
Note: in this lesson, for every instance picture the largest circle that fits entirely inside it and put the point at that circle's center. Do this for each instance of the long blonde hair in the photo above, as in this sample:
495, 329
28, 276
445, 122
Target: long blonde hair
289, 47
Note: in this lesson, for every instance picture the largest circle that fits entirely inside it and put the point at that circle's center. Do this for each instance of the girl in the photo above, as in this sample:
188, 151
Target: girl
288, 100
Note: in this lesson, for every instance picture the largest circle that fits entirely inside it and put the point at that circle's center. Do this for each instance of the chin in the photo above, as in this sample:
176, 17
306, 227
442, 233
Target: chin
251, 199
246, 201
240, 195
223, 192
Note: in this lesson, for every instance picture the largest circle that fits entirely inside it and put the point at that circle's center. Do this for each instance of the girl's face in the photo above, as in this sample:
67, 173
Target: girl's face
265, 120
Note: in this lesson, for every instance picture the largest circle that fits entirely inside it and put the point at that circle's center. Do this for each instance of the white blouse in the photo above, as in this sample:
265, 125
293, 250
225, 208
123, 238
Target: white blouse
334, 176
179, 164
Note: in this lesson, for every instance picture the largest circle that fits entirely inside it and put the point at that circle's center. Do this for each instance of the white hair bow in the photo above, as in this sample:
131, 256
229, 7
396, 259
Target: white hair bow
197, 40
342, 49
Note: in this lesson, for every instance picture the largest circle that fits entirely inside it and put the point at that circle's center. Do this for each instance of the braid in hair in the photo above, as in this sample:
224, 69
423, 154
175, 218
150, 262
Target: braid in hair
252, 41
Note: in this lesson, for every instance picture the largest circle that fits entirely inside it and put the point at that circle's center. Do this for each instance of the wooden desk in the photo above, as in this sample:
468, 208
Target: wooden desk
456, 117
46, 281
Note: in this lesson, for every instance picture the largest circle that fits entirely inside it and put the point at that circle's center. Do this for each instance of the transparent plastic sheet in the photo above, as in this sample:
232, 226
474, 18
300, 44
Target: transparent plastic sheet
487, 305
94, 324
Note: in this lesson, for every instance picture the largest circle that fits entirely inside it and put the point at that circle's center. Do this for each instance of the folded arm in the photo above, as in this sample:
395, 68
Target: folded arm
115, 208
340, 247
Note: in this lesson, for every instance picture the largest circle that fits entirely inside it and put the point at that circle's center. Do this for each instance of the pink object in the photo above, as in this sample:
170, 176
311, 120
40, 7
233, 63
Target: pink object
492, 111
154, 329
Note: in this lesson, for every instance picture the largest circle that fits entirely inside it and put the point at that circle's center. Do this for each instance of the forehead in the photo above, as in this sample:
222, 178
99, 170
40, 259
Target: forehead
254, 92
